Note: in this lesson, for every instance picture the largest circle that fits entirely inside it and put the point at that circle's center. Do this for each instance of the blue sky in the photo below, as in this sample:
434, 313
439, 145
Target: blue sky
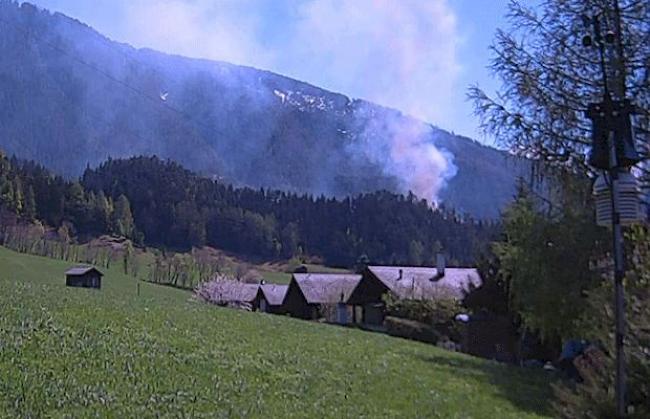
418, 56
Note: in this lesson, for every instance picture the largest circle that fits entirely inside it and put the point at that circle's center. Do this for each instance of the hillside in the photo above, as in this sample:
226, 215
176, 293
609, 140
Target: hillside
113, 353
161, 204
70, 97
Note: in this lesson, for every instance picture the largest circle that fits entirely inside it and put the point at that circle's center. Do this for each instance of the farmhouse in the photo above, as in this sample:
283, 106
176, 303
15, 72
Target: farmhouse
270, 298
310, 295
424, 283
83, 276
419, 283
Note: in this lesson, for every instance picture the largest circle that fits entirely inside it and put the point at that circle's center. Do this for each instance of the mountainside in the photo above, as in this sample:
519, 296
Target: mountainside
70, 97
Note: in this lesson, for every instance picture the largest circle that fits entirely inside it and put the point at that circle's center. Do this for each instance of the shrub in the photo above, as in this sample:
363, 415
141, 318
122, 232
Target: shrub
437, 312
594, 397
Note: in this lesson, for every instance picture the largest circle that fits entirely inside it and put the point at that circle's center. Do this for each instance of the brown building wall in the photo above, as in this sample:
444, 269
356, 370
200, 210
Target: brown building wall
369, 295
296, 304
89, 280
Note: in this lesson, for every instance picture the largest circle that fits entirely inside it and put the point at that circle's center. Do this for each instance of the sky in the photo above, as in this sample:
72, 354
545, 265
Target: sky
418, 56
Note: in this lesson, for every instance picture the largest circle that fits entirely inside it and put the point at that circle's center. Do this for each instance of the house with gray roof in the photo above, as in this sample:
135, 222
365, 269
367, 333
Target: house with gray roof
406, 282
315, 295
425, 283
270, 298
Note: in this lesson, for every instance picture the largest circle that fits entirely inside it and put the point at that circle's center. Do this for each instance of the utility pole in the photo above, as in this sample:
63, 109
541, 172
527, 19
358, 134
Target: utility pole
613, 151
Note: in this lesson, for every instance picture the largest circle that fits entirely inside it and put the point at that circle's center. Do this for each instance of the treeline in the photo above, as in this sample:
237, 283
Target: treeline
175, 208
34, 239
187, 270
34, 193
161, 204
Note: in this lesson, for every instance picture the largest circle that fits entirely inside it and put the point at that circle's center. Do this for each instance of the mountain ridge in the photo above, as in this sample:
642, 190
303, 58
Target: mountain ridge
251, 127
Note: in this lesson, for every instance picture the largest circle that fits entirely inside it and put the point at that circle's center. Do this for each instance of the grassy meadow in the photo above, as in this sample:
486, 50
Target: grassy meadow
68, 352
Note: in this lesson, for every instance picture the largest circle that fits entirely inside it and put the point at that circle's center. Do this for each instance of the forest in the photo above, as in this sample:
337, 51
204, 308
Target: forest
160, 204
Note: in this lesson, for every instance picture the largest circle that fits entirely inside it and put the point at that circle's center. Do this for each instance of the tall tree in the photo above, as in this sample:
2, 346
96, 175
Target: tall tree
548, 263
123, 223
549, 78
29, 209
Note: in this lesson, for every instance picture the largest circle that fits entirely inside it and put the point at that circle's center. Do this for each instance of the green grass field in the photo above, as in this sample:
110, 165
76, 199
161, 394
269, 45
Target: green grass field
68, 352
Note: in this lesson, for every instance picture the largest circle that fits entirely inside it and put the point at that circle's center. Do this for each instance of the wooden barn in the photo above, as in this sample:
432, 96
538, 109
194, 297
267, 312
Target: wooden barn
417, 283
270, 298
311, 296
84, 277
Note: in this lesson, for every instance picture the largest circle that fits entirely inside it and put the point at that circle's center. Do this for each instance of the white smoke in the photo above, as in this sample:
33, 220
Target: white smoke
403, 147
398, 53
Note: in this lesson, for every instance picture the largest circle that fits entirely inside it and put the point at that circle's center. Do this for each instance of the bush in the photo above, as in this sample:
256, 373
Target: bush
594, 397
437, 313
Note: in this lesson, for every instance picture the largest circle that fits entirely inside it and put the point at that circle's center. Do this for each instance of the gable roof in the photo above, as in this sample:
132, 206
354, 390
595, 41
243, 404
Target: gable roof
229, 291
274, 293
82, 270
326, 288
425, 283
241, 292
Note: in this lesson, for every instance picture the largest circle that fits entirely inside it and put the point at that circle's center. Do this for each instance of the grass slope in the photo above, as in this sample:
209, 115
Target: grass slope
74, 352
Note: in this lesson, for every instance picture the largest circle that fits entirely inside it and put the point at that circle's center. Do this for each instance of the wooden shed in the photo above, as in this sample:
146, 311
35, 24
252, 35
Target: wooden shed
309, 294
270, 298
84, 277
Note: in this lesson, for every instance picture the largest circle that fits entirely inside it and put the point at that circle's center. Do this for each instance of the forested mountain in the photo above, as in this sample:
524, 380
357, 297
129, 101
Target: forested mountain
174, 207
164, 205
70, 97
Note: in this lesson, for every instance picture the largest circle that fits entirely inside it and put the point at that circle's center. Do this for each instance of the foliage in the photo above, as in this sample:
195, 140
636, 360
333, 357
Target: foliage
547, 261
411, 329
493, 296
437, 313
34, 194
176, 208
33, 239
549, 78
161, 204
183, 270
221, 291
75, 352
594, 398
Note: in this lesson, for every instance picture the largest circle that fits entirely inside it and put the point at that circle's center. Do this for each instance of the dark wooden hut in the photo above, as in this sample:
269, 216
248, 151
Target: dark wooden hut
308, 294
270, 298
84, 277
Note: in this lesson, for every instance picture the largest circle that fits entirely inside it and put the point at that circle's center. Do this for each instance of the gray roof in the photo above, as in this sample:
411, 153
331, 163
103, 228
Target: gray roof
326, 288
239, 292
425, 283
81, 270
274, 293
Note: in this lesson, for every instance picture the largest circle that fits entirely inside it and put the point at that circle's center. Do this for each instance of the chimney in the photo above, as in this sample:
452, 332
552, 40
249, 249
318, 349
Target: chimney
440, 265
